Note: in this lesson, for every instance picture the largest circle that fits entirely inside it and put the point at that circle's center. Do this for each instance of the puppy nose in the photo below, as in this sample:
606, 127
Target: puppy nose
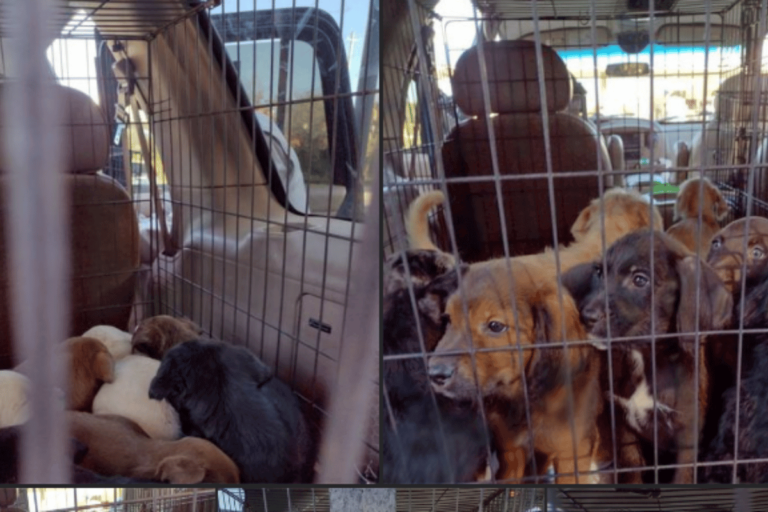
591, 315
440, 373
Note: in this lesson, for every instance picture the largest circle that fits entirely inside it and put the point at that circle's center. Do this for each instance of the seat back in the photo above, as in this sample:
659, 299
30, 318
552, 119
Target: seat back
574, 144
104, 241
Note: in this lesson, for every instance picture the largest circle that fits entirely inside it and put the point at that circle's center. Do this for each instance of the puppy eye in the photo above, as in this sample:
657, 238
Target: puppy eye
496, 327
757, 253
640, 280
716, 243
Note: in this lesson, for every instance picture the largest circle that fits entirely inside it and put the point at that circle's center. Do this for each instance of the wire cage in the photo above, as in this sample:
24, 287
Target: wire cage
511, 122
318, 499
222, 168
114, 500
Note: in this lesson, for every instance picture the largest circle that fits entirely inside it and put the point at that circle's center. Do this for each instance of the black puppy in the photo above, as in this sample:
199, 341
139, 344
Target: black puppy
753, 399
636, 313
426, 439
226, 395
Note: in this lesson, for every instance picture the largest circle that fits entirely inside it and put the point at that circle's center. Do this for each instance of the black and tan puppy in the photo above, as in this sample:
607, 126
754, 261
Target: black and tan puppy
752, 436
659, 297
224, 394
157, 335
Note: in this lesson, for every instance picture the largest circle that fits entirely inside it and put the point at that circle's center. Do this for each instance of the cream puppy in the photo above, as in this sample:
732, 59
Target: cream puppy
128, 396
117, 342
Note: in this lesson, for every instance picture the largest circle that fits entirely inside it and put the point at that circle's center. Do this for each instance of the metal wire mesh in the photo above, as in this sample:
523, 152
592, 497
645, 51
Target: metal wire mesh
678, 87
115, 500
244, 134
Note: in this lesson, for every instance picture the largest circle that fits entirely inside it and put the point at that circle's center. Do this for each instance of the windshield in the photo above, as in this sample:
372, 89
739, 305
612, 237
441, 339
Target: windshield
678, 75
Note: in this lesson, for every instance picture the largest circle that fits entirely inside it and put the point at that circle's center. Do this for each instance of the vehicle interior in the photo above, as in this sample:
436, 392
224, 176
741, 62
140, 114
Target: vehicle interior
221, 168
652, 92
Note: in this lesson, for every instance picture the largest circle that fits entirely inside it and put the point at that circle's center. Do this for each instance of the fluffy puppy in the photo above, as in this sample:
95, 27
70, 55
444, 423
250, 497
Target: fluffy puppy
117, 342
634, 315
754, 389
713, 209
117, 446
156, 335
90, 366
128, 396
508, 353
726, 253
226, 395
14, 406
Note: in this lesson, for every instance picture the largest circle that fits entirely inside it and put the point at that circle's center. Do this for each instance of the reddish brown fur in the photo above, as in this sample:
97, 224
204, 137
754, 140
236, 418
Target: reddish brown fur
713, 209
91, 366
117, 446
726, 254
157, 335
499, 373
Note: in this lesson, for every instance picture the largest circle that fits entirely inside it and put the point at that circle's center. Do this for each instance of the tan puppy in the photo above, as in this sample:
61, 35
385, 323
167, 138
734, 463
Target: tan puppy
499, 374
90, 366
713, 209
117, 446
157, 335
726, 253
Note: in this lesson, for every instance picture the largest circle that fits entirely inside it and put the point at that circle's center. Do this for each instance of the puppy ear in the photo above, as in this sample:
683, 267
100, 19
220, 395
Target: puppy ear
720, 205
178, 469
715, 303
104, 367
583, 222
687, 201
432, 304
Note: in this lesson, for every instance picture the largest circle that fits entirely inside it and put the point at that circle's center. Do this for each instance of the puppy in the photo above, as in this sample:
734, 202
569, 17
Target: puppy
156, 335
90, 366
726, 254
14, 406
128, 396
713, 209
753, 423
632, 315
226, 395
117, 446
496, 373
426, 439
117, 342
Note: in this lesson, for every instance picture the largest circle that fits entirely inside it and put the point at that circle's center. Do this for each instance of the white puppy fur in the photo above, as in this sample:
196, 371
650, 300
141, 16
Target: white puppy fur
14, 407
117, 342
128, 396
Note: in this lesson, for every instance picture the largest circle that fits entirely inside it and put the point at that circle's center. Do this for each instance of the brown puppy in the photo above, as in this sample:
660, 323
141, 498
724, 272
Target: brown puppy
157, 335
90, 366
640, 305
686, 227
117, 446
726, 254
497, 375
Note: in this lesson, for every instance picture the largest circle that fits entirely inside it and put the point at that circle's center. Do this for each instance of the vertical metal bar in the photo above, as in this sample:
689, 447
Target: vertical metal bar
342, 447
37, 235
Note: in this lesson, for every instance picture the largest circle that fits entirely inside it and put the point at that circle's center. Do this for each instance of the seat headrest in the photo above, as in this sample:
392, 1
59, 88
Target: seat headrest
86, 133
512, 79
